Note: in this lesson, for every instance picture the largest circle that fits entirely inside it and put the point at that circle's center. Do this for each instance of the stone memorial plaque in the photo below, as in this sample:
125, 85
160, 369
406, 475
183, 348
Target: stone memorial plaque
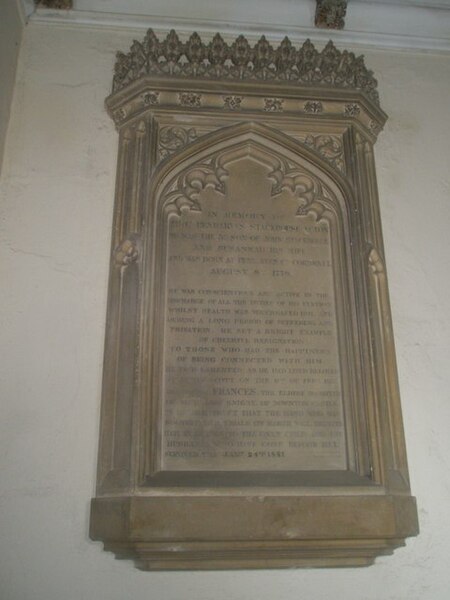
251, 361
250, 411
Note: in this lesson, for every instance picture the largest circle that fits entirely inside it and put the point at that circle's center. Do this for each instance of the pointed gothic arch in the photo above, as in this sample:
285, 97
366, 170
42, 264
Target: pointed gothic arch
318, 191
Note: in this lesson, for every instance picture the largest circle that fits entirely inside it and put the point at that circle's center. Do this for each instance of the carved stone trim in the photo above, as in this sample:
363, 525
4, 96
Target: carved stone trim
305, 66
190, 183
172, 139
150, 98
307, 190
351, 110
329, 147
374, 127
126, 252
232, 102
330, 14
313, 107
190, 99
375, 262
119, 115
273, 104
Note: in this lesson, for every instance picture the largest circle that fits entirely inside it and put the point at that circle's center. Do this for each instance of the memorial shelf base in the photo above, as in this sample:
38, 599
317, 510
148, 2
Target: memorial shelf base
252, 532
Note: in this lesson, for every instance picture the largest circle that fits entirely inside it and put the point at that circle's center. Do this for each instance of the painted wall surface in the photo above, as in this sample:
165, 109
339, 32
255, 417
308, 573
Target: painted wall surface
56, 200
11, 27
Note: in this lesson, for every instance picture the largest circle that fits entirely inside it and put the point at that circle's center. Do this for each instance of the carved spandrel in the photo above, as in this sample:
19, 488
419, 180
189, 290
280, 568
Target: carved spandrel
329, 147
174, 138
185, 191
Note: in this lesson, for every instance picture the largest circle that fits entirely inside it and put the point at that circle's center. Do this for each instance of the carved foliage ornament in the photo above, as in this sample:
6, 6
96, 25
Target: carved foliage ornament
126, 253
241, 61
232, 102
329, 147
330, 14
172, 139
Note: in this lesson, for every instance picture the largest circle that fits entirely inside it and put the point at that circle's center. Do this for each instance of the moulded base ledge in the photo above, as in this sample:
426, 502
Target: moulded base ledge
236, 555
193, 533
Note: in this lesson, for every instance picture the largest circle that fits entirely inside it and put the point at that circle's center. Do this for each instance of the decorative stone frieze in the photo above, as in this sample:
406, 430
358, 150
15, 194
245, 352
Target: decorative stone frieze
240, 61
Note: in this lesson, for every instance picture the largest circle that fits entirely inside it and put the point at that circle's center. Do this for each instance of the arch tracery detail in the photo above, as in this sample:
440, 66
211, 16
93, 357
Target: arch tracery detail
311, 192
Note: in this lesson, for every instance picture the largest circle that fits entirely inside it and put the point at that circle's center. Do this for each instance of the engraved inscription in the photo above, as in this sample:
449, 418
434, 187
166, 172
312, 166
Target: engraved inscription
251, 365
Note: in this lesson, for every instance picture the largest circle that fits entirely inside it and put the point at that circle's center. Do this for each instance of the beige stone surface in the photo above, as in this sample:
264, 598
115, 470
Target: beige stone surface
250, 413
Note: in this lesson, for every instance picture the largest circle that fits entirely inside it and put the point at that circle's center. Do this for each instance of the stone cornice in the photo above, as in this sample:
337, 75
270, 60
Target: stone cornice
379, 25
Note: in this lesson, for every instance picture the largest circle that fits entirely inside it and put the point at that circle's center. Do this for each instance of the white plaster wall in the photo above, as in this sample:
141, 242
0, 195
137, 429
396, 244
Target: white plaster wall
56, 200
11, 27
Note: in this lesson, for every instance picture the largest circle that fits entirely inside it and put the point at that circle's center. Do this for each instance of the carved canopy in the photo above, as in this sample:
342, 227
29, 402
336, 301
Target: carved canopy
217, 60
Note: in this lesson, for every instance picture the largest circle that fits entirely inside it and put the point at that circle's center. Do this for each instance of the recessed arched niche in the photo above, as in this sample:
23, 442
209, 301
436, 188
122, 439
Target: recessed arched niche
250, 410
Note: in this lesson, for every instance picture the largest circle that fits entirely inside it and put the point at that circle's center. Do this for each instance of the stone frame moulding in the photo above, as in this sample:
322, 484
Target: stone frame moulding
184, 112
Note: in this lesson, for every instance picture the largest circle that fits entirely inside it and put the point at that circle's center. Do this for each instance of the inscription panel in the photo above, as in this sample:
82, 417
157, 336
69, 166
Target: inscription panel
251, 368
